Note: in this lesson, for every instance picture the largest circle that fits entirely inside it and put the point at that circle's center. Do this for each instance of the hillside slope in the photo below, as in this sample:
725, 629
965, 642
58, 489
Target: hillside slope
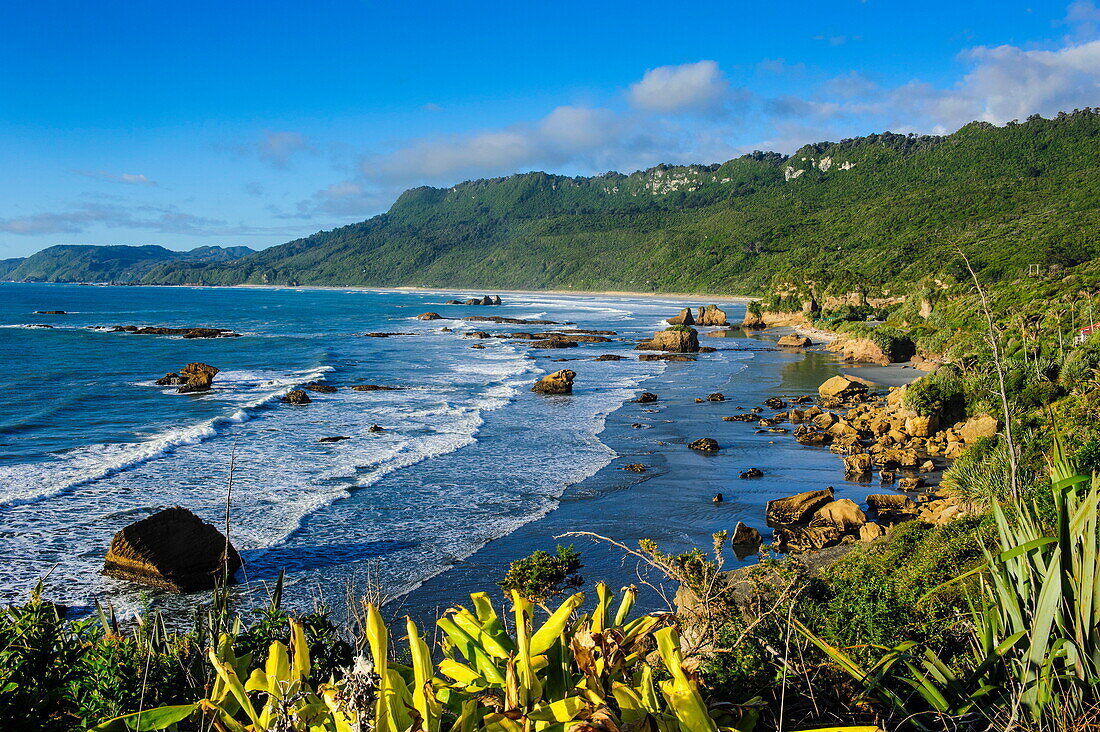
88, 263
885, 209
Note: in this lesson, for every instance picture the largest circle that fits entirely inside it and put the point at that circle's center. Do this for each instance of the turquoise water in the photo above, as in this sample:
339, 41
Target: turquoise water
89, 443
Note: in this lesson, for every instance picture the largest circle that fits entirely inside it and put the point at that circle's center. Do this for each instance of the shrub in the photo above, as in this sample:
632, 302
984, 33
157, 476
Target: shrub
541, 576
941, 393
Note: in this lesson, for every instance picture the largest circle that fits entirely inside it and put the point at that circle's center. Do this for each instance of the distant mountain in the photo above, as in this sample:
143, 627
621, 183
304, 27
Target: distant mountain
88, 263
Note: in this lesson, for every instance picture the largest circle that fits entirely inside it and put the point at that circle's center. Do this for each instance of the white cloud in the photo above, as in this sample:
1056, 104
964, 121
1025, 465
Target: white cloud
133, 179
278, 148
698, 87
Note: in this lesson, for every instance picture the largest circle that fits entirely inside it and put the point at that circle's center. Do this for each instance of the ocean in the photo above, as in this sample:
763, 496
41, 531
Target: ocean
469, 464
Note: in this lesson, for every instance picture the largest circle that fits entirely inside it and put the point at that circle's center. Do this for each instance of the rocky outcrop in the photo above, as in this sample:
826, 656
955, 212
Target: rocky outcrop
199, 377
684, 317
752, 473
174, 550
646, 397
795, 341
978, 427
429, 316
559, 382
334, 438
716, 397
374, 387
553, 343
296, 396
609, 357
704, 444
677, 339
665, 357
842, 388
635, 467
860, 350
50, 312
188, 332
796, 509
322, 388
486, 300
711, 315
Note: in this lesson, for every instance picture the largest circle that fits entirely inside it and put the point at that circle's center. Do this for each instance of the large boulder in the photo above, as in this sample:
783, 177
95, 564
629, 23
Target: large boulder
797, 508
684, 317
922, 426
862, 350
705, 444
559, 382
795, 341
977, 427
429, 316
677, 339
857, 465
841, 388
711, 315
296, 396
174, 550
200, 377
843, 515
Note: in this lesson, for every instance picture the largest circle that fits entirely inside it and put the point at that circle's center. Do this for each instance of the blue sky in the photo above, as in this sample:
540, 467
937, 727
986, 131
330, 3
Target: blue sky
253, 123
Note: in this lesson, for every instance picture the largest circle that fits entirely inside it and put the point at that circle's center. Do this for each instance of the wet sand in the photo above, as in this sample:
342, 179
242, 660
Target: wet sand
671, 502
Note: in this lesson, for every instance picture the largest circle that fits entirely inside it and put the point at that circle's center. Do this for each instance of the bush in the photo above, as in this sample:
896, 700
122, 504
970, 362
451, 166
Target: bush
895, 343
941, 393
681, 329
541, 576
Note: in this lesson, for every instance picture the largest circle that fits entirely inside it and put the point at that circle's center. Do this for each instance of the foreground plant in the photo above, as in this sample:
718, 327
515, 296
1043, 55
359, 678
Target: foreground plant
1036, 638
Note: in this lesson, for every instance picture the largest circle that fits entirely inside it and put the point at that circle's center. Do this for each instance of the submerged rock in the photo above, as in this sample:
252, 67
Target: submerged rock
609, 357
752, 473
173, 549
374, 387
635, 468
322, 388
335, 438
716, 397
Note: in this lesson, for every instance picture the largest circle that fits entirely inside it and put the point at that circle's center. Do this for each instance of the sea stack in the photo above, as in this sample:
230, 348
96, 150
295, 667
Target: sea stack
173, 550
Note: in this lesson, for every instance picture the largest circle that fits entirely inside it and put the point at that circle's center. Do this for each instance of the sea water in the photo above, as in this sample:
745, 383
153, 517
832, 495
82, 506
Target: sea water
89, 443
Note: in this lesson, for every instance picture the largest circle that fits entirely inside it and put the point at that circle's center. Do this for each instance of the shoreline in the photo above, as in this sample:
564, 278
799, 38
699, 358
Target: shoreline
739, 299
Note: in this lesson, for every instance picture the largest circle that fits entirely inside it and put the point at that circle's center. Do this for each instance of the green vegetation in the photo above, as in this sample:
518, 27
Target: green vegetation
87, 263
884, 209
541, 576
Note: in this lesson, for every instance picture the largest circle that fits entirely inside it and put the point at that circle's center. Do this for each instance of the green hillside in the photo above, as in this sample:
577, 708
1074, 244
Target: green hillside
87, 263
883, 209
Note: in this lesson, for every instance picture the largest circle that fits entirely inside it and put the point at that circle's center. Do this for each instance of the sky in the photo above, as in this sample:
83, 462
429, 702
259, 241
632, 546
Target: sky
254, 123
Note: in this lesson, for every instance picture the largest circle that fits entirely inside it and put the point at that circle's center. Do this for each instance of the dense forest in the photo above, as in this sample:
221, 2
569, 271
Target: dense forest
87, 263
886, 209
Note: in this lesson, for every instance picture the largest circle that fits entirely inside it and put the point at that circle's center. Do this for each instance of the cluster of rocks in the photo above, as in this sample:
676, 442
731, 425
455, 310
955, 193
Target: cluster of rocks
816, 519
711, 315
188, 332
486, 300
194, 377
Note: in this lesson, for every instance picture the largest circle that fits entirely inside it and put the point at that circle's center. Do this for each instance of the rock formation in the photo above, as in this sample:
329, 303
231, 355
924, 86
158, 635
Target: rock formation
296, 396
429, 316
684, 317
677, 339
795, 341
173, 549
559, 382
199, 377
711, 315
704, 444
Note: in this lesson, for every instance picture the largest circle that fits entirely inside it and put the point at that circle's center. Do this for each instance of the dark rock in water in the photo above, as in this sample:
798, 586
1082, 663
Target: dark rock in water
173, 549
200, 377
454, 302
321, 388
376, 428
609, 357
716, 397
496, 300
802, 399
637, 425
429, 316
37, 325
698, 400
473, 301
336, 438
385, 334
752, 473
296, 396
706, 349
586, 331
189, 332
775, 403
476, 334
477, 345
677, 339
559, 382
664, 357
50, 312
718, 498
171, 379
446, 330
745, 540
553, 343
374, 387
705, 444
635, 468
646, 397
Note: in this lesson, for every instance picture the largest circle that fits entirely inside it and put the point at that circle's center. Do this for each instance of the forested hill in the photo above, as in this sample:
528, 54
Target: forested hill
881, 209
88, 263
